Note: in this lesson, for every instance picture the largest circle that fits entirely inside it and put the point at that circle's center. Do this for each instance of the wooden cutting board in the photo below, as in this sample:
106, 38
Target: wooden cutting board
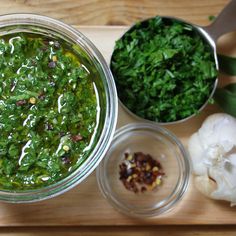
84, 205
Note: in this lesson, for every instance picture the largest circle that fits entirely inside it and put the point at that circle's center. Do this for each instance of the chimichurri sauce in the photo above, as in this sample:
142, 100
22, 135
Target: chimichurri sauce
48, 111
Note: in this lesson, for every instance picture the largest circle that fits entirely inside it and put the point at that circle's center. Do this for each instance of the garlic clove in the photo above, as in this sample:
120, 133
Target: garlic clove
196, 151
213, 153
205, 185
218, 129
225, 177
224, 191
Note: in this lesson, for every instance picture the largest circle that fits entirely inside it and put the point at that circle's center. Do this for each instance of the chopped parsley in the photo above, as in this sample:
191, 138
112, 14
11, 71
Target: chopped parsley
164, 70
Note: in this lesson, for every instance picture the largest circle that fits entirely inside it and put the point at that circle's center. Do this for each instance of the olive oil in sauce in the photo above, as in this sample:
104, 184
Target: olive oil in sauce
49, 110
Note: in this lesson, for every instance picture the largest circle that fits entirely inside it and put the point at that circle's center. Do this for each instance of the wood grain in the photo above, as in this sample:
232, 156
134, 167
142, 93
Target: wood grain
115, 12
121, 231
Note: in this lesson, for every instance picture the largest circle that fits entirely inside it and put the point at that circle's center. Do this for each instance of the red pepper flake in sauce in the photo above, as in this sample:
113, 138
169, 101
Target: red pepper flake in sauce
139, 172
65, 159
41, 96
21, 102
76, 138
52, 64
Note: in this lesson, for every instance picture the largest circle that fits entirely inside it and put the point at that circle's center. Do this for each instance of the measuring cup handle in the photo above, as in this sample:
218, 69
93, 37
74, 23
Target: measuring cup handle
224, 23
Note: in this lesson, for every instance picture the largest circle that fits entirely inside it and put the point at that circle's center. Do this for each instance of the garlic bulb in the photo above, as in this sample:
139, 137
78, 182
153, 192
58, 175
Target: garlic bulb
213, 152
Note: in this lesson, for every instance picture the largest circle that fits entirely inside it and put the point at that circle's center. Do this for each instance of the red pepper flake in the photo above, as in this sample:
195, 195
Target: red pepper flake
46, 41
76, 138
21, 102
139, 172
41, 96
52, 64
65, 159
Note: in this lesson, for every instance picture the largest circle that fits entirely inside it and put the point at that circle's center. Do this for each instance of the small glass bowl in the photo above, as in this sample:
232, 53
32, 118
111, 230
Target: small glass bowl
162, 146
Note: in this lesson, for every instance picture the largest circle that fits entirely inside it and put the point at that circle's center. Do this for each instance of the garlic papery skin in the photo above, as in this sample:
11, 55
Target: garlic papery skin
213, 152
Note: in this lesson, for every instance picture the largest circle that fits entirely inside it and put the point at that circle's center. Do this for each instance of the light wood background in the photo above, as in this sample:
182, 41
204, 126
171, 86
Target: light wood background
115, 12
104, 12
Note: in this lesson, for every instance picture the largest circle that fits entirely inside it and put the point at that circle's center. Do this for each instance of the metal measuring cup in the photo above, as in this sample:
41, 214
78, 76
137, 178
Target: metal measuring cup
224, 23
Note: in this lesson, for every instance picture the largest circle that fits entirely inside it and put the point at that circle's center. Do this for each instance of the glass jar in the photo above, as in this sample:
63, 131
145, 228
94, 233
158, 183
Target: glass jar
106, 91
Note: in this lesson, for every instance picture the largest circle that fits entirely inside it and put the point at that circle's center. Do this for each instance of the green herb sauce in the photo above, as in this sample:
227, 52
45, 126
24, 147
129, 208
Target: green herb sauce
164, 70
48, 110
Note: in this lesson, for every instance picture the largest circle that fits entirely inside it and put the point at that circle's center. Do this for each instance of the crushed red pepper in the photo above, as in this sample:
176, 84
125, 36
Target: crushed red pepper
76, 138
21, 102
139, 172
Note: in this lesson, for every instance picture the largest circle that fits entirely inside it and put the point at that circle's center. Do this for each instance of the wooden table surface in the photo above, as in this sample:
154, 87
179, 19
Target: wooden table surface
119, 12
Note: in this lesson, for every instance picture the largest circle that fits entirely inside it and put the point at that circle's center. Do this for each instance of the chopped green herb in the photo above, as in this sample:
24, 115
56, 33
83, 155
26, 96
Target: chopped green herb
211, 18
48, 110
164, 70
